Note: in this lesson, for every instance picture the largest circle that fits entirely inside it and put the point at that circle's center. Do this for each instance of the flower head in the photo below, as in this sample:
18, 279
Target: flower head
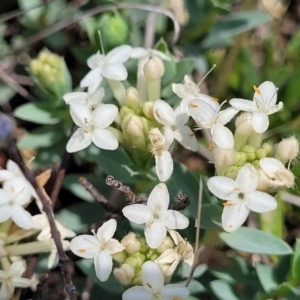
241, 196
13, 196
174, 125
156, 215
92, 127
109, 66
263, 104
100, 247
153, 286
12, 278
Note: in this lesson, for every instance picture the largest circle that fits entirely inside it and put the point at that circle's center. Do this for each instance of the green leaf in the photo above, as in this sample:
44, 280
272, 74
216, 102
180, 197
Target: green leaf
223, 290
40, 113
41, 137
111, 285
71, 183
6, 92
255, 241
209, 214
266, 277
79, 217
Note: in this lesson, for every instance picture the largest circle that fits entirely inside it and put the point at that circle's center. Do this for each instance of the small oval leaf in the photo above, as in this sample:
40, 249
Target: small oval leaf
255, 241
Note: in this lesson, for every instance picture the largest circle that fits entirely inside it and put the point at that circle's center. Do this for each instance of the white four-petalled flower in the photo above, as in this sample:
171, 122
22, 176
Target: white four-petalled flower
241, 196
100, 247
153, 286
156, 215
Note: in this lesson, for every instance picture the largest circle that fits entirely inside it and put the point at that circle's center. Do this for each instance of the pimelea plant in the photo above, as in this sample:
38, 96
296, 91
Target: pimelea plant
132, 113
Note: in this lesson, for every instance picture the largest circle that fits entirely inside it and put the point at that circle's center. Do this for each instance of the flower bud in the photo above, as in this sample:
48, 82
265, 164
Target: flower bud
287, 149
243, 124
135, 260
154, 69
250, 153
131, 243
119, 257
51, 76
232, 171
124, 274
166, 244
265, 151
132, 98
148, 110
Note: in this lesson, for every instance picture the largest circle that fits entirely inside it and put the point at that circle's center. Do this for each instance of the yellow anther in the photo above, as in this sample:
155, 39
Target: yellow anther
256, 89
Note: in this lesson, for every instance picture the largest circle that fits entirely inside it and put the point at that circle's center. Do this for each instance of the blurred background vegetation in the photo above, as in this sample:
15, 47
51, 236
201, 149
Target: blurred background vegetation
249, 41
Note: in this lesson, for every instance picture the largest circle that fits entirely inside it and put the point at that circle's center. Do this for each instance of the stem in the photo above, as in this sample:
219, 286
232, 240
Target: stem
13, 153
28, 248
153, 88
118, 90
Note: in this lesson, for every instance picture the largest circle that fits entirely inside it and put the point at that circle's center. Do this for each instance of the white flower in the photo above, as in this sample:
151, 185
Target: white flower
153, 286
100, 247
109, 66
263, 104
143, 53
12, 278
156, 216
92, 127
41, 222
13, 172
206, 112
92, 98
174, 125
188, 92
241, 197
182, 251
163, 158
13, 196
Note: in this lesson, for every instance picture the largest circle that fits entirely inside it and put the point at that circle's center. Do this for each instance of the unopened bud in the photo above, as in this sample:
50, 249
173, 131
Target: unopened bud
243, 124
265, 151
132, 98
232, 171
166, 244
148, 110
250, 153
124, 274
131, 243
135, 260
287, 149
154, 69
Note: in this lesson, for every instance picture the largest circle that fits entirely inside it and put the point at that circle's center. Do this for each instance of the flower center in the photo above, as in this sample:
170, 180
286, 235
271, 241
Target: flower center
241, 196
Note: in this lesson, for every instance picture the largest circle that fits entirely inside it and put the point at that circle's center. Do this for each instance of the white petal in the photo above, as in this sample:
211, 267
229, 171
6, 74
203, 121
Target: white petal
7, 290
4, 197
139, 52
234, 216
91, 78
96, 96
21, 217
180, 117
107, 230
115, 71
78, 141
93, 61
223, 187
222, 136
159, 198
6, 175
119, 54
260, 122
5, 213
174, 219
104, 139
174, 291
114, 246
271, 166
22, 282
164, 166
226, 115
17, 268
137, 213
247, 178
244, 105
155, 233
103, 265
180, 91
85, 246
81, 114
261, 202
137, 293
152, 276
104, 115
268, 94
163, 113
186, 137
75, 97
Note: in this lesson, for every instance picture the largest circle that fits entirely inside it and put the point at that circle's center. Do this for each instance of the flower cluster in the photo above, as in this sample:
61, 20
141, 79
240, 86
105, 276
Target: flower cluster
249, 171
139, 256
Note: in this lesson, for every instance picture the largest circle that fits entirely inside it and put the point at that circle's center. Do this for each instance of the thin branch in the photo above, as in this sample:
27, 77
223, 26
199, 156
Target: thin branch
8, 144
150, 28
198, 224
89, 13
131, 198
93, 191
